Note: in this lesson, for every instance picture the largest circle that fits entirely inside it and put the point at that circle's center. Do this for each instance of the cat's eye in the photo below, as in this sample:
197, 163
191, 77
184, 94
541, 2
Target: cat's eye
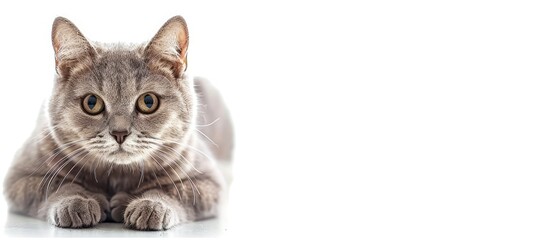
93, 104
147, 103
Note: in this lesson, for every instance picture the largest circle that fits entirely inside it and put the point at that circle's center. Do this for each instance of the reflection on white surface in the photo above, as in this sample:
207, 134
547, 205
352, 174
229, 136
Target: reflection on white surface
22, 226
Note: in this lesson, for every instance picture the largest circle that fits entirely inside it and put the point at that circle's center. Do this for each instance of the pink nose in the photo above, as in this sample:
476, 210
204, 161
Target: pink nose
120, 136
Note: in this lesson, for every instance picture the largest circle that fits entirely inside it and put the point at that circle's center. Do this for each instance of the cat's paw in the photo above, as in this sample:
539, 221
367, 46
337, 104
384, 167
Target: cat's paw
118, 205
75, 212
148, 214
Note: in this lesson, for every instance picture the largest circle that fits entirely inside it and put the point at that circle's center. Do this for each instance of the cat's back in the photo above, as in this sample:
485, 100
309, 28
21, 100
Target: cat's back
214, 120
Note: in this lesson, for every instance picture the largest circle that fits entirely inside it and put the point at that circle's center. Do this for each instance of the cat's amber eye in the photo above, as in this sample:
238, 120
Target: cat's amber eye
93, 104
147, 103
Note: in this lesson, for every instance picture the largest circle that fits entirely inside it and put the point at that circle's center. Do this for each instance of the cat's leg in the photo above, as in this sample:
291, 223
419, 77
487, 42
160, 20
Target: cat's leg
67, 206
180, 202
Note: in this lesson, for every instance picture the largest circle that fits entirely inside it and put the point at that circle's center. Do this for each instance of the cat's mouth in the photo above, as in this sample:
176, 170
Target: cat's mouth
120, 150
123, 156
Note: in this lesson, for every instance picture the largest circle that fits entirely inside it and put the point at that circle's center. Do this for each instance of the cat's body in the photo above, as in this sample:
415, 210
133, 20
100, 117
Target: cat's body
126, 136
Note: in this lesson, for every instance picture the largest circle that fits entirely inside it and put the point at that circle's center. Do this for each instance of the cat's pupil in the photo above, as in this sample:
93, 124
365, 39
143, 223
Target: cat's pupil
148, 101
92, 100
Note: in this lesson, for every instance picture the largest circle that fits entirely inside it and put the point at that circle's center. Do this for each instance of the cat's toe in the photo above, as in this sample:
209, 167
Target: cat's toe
146, 214
75, 212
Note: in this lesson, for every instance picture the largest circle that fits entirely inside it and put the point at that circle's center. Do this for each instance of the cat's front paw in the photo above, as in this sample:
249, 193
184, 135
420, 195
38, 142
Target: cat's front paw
148, 214
118, 205
75, 212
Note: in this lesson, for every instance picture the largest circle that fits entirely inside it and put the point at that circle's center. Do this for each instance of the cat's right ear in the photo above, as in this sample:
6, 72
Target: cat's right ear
73, 53
167, 51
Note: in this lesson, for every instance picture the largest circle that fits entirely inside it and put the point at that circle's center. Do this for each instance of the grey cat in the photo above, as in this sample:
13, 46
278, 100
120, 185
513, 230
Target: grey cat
125, 137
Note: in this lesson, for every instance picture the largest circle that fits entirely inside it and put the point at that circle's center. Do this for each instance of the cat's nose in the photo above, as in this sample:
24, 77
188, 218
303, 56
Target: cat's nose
120, 136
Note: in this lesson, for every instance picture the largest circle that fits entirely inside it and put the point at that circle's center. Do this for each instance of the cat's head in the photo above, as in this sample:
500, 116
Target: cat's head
121, 103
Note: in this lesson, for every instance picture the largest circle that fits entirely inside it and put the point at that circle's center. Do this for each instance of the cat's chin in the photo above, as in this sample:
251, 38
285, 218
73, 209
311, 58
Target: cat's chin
123, 157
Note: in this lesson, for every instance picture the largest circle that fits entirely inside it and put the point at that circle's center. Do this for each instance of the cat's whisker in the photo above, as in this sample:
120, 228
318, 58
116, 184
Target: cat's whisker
55, 174
76, 164
215, 144
171, 179
83, 165
166, 159
193, 185
95, 169
156, 177
209, 124
59, 150
192, 148
181, 155
110, 169
161, 144
66, 160
53, 168
142, 167
48, 130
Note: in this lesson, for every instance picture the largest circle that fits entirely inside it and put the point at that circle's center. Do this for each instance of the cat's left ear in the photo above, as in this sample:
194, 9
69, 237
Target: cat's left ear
167, 51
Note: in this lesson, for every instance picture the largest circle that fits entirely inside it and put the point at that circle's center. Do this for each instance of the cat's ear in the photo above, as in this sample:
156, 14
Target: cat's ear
73, 53
167, 51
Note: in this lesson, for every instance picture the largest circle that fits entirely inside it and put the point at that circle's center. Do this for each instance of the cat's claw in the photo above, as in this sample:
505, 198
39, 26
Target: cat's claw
76, 212
147, 214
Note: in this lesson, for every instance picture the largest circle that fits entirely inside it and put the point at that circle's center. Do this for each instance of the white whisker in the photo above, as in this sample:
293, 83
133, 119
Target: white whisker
209, 124
83, 165
48, 130
189, 146
95, 169
171, 179
193, 185
142, 165
76, 164
209, 139
53, 168
59, 151
192, 148
55, 174
181, 155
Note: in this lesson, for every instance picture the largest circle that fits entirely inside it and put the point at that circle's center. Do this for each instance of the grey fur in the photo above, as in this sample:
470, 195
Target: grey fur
72, 172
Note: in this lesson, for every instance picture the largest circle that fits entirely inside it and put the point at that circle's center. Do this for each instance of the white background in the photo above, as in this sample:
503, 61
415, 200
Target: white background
378, 120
